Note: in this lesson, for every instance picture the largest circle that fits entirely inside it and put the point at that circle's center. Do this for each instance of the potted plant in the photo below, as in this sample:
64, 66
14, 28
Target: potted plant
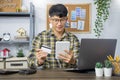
107, 68
102, 7
99, 69
20, 53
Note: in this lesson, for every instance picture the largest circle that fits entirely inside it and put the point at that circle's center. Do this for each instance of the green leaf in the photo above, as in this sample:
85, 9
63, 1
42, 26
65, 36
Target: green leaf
102, 7
99, 65
20, 53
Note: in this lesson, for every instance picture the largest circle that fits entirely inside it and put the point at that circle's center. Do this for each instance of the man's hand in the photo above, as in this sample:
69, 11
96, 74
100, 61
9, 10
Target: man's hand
41, 56
68, 57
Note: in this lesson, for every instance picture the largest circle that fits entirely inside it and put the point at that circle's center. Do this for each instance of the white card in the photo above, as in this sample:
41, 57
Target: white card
61, 46
46, 49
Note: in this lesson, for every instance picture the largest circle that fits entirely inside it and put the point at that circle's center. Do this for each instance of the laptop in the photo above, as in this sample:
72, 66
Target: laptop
94, 50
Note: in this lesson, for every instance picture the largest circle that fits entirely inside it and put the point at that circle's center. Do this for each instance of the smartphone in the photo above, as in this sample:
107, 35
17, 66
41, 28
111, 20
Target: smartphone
60, 47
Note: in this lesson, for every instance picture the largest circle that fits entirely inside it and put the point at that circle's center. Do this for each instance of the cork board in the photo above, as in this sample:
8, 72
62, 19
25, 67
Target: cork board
78, 18
9, 5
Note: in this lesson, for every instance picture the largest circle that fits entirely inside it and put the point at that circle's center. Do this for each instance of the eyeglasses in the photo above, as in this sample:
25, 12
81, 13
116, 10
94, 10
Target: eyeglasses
62, 20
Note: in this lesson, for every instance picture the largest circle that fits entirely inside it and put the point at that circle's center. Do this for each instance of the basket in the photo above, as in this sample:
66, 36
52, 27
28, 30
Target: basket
116, 68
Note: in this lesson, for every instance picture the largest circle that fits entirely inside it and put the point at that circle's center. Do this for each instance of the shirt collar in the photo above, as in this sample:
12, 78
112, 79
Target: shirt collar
51, 33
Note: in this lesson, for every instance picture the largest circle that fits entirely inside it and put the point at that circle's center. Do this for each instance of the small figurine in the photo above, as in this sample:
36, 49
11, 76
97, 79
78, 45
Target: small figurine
4, 53
20, 53
21, 32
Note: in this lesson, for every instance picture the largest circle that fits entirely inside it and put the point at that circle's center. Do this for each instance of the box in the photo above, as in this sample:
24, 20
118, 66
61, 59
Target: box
16, 63
1, 64
10, 5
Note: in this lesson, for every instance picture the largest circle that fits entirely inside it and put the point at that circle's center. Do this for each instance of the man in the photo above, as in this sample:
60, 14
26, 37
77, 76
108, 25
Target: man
58, 19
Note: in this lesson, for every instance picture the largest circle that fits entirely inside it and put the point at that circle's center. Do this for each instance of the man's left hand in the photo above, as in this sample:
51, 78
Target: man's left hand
68, 57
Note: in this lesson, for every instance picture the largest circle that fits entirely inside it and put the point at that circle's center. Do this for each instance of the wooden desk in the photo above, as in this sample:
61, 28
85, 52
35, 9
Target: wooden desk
56, 75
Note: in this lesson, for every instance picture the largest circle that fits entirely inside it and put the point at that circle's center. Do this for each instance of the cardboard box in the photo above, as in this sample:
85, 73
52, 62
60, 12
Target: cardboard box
17, 63
10, 5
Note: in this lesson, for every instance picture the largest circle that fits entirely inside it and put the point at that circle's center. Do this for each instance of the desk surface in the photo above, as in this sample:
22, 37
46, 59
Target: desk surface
55, 75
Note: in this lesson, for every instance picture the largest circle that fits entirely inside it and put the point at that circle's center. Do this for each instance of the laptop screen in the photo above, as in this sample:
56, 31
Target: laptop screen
95, 50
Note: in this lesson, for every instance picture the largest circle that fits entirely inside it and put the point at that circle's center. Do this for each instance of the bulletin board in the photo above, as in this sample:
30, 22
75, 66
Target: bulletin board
9, 5
78, 18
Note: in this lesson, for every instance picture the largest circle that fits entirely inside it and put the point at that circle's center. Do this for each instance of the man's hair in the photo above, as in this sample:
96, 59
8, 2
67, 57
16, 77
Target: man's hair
58, 10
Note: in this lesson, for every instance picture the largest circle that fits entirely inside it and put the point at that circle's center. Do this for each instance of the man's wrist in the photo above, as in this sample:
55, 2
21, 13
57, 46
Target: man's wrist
40, 62
73, 61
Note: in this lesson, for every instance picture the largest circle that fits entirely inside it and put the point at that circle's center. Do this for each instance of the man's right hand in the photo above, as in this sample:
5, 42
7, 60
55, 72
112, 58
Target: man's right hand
41, 56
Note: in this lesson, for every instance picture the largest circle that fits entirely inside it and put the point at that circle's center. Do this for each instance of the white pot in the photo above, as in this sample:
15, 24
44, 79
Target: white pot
107, 72
99, 72
24, 9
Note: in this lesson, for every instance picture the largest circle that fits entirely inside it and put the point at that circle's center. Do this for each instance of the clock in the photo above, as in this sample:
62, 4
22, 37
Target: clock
6, 36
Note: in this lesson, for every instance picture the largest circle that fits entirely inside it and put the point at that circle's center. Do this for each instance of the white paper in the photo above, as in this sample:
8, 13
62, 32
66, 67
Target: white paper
73, 15
78, 10
83, 14
80, 25
73, 24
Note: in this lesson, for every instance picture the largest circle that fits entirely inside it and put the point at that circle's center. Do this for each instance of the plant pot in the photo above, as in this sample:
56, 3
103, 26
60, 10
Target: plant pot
107, 72
99, 72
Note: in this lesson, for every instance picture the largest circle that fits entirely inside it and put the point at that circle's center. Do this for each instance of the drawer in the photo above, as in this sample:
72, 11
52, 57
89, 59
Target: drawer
17, 65
1, 65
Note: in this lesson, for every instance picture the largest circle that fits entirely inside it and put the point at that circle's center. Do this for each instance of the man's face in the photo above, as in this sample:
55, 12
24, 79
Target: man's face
58, 24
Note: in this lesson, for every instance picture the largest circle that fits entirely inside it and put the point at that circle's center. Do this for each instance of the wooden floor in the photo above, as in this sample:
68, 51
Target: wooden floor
55, 75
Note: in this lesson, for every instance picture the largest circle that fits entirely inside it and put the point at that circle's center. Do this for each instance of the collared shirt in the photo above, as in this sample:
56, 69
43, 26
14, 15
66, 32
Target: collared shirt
48, 38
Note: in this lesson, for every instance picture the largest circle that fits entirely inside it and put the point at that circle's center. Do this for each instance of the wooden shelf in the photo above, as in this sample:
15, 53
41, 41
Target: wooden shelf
11, 42
14, 14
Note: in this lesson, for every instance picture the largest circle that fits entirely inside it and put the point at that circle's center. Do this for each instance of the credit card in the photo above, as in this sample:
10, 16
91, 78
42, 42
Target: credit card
46, 49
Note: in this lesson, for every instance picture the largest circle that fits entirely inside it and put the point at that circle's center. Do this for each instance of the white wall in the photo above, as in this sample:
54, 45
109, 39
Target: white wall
111, 27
